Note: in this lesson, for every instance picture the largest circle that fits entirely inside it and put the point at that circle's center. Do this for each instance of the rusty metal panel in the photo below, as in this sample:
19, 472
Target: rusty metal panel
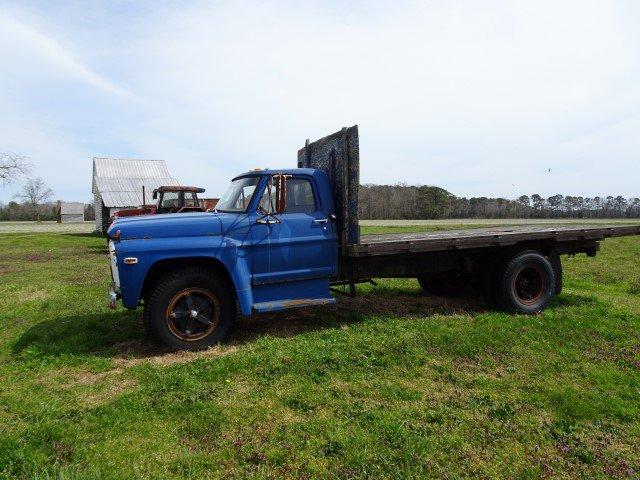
338, 155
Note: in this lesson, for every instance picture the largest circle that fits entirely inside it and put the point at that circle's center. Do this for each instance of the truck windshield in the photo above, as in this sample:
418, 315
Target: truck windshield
238, 195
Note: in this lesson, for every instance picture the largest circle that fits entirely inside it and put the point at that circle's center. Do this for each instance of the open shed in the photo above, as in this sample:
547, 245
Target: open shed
117, 184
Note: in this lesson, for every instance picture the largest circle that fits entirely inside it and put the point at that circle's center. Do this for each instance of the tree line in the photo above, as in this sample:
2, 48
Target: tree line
403, 201
384, 202
47, 211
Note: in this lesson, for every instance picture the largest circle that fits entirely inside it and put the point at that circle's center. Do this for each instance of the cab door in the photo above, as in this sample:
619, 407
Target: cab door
299, 245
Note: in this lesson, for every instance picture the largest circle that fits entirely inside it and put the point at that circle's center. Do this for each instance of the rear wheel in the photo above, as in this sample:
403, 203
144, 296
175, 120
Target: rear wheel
527, 283
189, 309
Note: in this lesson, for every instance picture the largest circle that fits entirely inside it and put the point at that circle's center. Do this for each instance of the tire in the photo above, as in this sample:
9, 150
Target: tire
146, 322
556, 264
189, 309
449, 286
526, 283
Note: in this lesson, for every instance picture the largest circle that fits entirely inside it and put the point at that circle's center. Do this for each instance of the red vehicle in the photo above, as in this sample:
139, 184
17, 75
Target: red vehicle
169, 199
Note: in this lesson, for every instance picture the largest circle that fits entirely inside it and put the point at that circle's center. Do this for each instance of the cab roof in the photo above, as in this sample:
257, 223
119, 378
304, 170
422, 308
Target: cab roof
285, 171
179, 188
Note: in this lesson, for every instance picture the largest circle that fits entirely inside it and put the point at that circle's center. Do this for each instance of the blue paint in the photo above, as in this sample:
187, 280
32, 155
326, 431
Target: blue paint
272, 266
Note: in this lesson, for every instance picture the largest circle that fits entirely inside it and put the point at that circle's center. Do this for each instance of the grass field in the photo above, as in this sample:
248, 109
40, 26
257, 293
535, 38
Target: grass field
392, 384
46, 227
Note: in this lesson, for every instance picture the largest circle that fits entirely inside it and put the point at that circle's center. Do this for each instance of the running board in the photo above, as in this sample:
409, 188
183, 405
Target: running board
286, 304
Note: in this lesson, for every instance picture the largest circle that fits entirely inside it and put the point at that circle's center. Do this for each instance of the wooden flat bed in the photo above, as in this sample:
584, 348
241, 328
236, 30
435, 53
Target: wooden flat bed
517, 268
402, 243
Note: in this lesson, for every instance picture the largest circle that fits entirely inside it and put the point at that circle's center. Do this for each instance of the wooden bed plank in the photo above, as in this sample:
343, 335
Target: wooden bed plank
484, 237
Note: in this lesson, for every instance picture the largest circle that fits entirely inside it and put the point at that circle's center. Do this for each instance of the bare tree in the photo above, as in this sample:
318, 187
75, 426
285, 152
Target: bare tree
12, 167
34, 192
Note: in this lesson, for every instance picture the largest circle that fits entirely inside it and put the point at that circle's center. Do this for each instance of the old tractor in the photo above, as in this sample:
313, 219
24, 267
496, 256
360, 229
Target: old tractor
168, 199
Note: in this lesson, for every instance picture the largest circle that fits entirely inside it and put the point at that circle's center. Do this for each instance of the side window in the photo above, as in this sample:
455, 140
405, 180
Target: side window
170, 200
190, 199
300, 197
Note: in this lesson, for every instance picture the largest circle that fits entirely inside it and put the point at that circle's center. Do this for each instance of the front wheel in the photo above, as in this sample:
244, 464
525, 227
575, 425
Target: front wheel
189, 309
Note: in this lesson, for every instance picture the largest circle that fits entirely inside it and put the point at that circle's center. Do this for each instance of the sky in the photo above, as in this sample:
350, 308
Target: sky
480, 98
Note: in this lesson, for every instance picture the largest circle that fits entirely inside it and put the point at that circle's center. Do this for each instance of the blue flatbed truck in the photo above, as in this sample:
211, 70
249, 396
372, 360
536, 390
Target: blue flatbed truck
280, 239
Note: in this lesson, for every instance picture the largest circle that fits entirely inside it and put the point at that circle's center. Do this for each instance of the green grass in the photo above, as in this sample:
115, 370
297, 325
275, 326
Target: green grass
46, 227
390, 384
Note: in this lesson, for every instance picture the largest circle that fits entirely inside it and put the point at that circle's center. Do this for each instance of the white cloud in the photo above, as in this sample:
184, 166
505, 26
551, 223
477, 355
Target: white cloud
26, 48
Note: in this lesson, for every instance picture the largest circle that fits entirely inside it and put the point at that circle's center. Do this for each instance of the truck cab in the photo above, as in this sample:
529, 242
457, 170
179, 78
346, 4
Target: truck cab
271, 243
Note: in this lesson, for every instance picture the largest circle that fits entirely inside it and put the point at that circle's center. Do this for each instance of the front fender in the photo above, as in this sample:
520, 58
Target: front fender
230, 252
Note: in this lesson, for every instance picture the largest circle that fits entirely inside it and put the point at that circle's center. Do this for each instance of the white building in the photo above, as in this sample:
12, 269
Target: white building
117, 184
71, 212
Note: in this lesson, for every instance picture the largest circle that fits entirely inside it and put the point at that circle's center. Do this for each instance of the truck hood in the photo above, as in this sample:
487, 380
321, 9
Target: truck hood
168, 225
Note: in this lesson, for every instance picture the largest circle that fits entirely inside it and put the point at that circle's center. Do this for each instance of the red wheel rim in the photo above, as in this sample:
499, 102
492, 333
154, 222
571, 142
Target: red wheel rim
529, 285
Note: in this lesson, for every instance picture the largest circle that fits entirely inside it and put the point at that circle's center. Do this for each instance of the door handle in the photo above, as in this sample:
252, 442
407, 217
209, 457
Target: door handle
321, 220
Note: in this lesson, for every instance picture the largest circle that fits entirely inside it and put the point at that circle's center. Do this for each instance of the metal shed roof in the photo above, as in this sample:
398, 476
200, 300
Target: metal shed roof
119, 181
71, 208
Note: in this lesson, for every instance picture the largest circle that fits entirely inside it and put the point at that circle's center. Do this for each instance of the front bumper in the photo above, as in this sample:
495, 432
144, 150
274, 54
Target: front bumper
114, 296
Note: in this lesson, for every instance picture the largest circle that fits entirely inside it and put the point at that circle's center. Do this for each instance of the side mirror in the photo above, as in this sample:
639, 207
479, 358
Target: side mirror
280, 182
155, 194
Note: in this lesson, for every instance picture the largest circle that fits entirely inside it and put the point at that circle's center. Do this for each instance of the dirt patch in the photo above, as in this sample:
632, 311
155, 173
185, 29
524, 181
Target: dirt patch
28, 257
36, 295
38, 257
31, 294
85, 278
6, 269
112, 390
89, 388
89, 378
137, 352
